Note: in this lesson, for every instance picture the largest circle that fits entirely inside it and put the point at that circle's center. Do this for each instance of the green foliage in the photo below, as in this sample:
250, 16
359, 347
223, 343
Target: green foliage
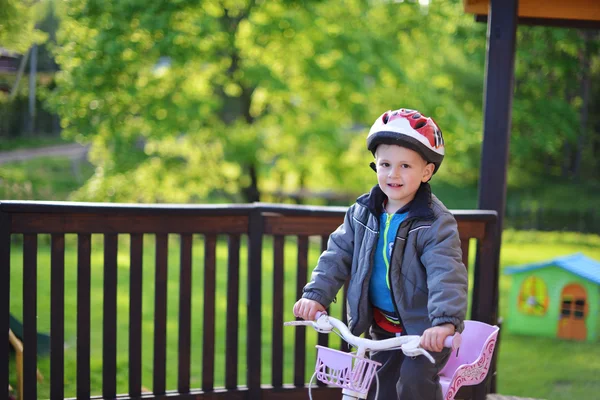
42, 178
17, 20
228, 100
548, 124
236, 95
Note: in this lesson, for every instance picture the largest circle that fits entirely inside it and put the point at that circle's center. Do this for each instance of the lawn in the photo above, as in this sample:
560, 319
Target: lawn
46, 178
528, 366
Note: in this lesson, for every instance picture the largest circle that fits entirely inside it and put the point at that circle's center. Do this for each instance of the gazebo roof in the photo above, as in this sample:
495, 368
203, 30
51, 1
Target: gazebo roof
577, 264
572, 13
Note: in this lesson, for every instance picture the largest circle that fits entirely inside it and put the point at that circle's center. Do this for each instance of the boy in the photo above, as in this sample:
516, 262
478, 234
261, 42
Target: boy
400, 248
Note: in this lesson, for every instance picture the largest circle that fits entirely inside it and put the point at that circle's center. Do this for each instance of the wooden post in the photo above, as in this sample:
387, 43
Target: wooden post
498, 93
253, 351
4, 297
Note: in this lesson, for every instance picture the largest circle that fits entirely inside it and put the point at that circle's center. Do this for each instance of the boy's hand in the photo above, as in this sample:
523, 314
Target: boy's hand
433, 338
307, 309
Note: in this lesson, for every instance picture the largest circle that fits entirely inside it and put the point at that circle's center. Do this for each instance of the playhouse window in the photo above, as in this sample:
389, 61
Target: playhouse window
576, 308
533, 296
579, 308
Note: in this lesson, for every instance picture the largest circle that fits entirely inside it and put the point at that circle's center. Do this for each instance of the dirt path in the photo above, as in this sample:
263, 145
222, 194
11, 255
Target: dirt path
64, 150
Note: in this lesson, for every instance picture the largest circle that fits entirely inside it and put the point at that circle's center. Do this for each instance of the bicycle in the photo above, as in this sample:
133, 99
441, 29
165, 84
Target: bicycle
354, 372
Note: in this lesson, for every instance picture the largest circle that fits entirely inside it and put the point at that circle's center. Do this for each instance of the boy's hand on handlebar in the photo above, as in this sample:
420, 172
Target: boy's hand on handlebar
307, 309
433, 338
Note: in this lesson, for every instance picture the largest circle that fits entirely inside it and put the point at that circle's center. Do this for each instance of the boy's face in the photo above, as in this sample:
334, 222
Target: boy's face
400, 172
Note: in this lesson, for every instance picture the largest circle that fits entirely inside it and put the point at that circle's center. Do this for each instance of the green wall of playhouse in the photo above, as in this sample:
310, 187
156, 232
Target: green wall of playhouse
547, 325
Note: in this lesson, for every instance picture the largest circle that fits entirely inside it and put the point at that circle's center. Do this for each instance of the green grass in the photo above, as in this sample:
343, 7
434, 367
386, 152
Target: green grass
47, 178
540, 367
528, 366
31, 142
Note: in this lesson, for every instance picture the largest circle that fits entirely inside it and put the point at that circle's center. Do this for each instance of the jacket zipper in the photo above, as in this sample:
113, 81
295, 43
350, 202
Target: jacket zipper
388, 220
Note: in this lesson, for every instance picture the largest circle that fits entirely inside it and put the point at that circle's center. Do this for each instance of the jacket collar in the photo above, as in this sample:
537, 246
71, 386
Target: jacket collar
420, 206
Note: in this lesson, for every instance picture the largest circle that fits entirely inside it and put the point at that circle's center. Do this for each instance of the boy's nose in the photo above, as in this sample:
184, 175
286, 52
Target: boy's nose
394, 172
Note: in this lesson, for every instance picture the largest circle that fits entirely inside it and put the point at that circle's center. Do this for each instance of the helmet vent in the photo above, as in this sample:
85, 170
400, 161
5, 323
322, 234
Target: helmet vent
385, 117
416, 116
420, 124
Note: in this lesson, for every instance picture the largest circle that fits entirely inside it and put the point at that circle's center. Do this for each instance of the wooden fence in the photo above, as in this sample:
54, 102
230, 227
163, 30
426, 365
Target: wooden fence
243, 227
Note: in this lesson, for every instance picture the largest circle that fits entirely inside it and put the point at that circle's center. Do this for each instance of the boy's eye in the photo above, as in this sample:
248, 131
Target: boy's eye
384, 164
405, 166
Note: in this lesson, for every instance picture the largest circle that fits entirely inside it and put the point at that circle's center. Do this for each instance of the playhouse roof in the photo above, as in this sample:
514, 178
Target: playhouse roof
578, 264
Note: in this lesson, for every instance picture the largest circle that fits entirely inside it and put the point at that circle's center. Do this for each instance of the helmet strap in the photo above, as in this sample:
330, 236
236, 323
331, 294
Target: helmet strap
373, 167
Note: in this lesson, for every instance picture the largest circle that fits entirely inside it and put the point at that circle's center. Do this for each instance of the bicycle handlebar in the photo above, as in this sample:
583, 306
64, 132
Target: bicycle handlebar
409, 344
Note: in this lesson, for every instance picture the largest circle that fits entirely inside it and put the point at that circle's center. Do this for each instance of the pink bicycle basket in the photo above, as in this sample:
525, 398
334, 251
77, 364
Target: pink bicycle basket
345, 370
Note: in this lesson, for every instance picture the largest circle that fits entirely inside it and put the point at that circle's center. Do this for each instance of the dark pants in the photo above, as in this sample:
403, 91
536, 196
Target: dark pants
406, 378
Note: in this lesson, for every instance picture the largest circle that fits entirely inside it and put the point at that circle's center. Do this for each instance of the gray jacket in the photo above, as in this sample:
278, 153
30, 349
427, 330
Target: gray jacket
427, 276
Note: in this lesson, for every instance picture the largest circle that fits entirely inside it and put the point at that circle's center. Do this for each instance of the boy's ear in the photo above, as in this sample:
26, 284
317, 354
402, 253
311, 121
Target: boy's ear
373, 166
428, 172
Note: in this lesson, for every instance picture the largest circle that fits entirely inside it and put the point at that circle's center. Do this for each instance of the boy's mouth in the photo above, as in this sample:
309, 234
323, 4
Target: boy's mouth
394, 185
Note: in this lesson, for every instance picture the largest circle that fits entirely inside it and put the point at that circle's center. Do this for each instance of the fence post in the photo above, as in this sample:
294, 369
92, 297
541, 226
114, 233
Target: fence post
5, 299
253, 350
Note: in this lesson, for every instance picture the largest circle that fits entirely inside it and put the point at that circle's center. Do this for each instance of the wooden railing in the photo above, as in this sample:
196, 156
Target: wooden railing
241, 227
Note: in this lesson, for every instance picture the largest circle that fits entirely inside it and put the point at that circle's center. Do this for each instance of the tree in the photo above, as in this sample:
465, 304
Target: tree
552, 105
17, 25
185, 100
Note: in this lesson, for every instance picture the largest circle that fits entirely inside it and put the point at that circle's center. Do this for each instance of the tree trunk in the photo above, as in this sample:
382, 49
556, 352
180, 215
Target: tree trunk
585, 97
32, 82
251, 192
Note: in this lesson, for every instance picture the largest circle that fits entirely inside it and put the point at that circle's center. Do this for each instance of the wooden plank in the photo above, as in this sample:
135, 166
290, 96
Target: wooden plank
254, 326
185, 313
84, 248
287, 392
57, 314
208, 336
318, 226
160, 314
586, 10
135, 314
232, 324
300, 344
464, 246
323, 338
136, 223
471, 229
278, 296
109, 316
29, 316
5, 245
301, 225
497, 122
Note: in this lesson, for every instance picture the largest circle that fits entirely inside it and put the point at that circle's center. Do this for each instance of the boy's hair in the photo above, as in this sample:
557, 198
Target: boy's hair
410, 129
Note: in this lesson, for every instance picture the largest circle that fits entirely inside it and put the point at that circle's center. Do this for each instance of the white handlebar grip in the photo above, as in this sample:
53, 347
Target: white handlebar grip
453, 341
319, 313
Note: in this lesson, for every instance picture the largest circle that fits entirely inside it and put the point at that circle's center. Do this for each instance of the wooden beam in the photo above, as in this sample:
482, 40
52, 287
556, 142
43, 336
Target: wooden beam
498, 95
585, 10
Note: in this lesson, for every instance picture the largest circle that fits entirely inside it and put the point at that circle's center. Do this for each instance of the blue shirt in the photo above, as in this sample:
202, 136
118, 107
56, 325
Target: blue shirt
379, 286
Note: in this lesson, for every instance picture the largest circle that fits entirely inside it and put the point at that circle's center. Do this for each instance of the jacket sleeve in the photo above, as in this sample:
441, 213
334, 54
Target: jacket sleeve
334, 265
446, 273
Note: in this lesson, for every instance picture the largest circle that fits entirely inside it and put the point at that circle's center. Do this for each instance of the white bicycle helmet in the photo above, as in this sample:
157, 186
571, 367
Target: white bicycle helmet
411, 129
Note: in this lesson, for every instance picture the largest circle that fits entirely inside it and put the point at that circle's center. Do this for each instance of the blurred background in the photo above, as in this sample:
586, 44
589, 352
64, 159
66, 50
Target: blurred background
242, 101
234, 101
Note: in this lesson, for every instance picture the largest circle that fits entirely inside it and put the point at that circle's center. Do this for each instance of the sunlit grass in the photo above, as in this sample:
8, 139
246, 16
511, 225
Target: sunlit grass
537, 367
